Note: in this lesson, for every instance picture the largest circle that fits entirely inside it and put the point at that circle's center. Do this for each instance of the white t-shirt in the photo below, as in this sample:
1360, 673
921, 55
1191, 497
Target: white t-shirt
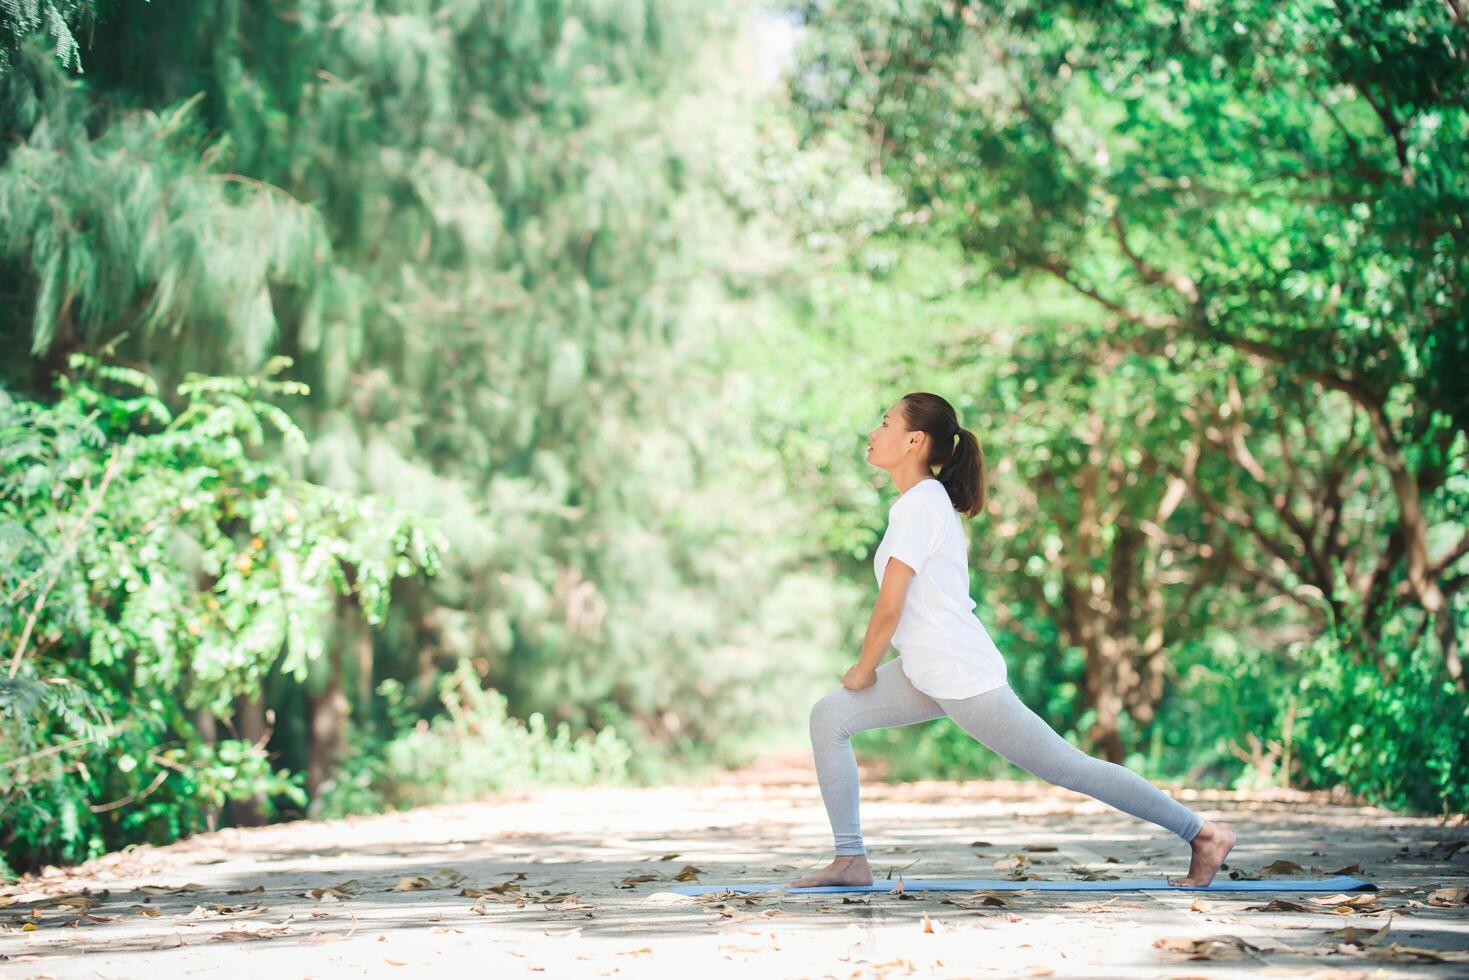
944, 649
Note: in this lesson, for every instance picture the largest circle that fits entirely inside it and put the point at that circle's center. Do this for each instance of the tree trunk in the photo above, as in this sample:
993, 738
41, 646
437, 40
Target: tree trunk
1085, 595
327, 703
329, 710
250, 727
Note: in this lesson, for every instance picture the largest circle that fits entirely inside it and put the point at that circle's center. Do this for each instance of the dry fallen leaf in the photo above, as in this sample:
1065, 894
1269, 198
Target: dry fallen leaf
980, 899
1398, 953
210, 911
412, 883
192, 886
505, 887
1448, 897
1343, 903
1281, 868
244, 935
1211, 948
1087, 874
335, 893
904, 965
1352, 869
1107, 906
87, 917
1280, 905
1015, 864
1198, 905
641, 951
1351, 937
1039, 847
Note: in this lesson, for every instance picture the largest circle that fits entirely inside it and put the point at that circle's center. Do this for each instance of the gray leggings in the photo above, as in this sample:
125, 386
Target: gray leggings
1000, 721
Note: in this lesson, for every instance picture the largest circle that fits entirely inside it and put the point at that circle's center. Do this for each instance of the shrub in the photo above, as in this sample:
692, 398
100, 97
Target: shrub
150, 569
474, 749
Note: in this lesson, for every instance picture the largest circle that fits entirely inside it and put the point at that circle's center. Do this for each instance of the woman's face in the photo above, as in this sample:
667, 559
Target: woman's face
890, 441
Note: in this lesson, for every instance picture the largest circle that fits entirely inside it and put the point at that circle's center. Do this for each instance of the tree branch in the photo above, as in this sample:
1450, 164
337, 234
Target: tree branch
1061, 269
1180, 284
71, 537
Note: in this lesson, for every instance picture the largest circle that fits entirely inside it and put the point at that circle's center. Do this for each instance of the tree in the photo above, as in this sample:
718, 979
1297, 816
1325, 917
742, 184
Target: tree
57, 21
1246, 176
488, 236
151, 567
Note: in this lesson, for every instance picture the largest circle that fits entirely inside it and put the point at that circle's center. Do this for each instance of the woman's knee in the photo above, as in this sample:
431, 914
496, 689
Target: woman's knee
829, 713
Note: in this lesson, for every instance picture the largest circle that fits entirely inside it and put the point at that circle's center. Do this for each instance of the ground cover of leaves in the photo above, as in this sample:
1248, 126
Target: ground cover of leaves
575, 883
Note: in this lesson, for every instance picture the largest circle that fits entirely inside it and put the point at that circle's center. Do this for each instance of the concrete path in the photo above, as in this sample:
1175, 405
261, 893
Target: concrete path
574, 883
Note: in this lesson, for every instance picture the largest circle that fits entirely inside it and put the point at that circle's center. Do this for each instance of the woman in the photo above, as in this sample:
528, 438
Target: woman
948, 664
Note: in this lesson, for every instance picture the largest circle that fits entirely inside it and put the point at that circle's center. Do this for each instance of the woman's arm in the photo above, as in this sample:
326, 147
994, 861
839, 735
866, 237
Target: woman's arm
881, 625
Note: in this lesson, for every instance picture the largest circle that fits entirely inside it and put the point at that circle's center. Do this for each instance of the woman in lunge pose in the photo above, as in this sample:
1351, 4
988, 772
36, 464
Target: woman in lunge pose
948, 665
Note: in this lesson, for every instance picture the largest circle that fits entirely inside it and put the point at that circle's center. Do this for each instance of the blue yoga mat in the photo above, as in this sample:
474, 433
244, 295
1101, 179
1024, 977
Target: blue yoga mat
1340, 883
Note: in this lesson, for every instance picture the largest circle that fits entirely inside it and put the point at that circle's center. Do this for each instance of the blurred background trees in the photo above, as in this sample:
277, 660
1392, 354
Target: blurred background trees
1266, 215
600, 310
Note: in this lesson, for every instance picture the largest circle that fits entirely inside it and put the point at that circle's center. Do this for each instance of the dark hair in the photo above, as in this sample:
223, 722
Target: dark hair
952, 448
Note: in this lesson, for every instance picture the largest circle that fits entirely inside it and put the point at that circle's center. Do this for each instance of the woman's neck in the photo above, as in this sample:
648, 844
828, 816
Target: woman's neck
907, 481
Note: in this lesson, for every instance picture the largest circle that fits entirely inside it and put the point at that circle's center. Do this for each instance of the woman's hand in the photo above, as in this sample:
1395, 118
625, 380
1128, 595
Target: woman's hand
857, 678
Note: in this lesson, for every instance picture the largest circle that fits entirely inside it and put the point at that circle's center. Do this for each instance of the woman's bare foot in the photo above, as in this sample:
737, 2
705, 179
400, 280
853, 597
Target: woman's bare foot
1210, 845
845, 869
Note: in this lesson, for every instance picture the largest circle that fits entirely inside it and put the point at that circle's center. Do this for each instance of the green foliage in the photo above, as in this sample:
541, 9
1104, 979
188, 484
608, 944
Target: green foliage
1258, 174
1323, 717
1324, 714
1400, 741
563, 276
55, 22
1262, 421
495, 243
73, 203
477, 748
155, 565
